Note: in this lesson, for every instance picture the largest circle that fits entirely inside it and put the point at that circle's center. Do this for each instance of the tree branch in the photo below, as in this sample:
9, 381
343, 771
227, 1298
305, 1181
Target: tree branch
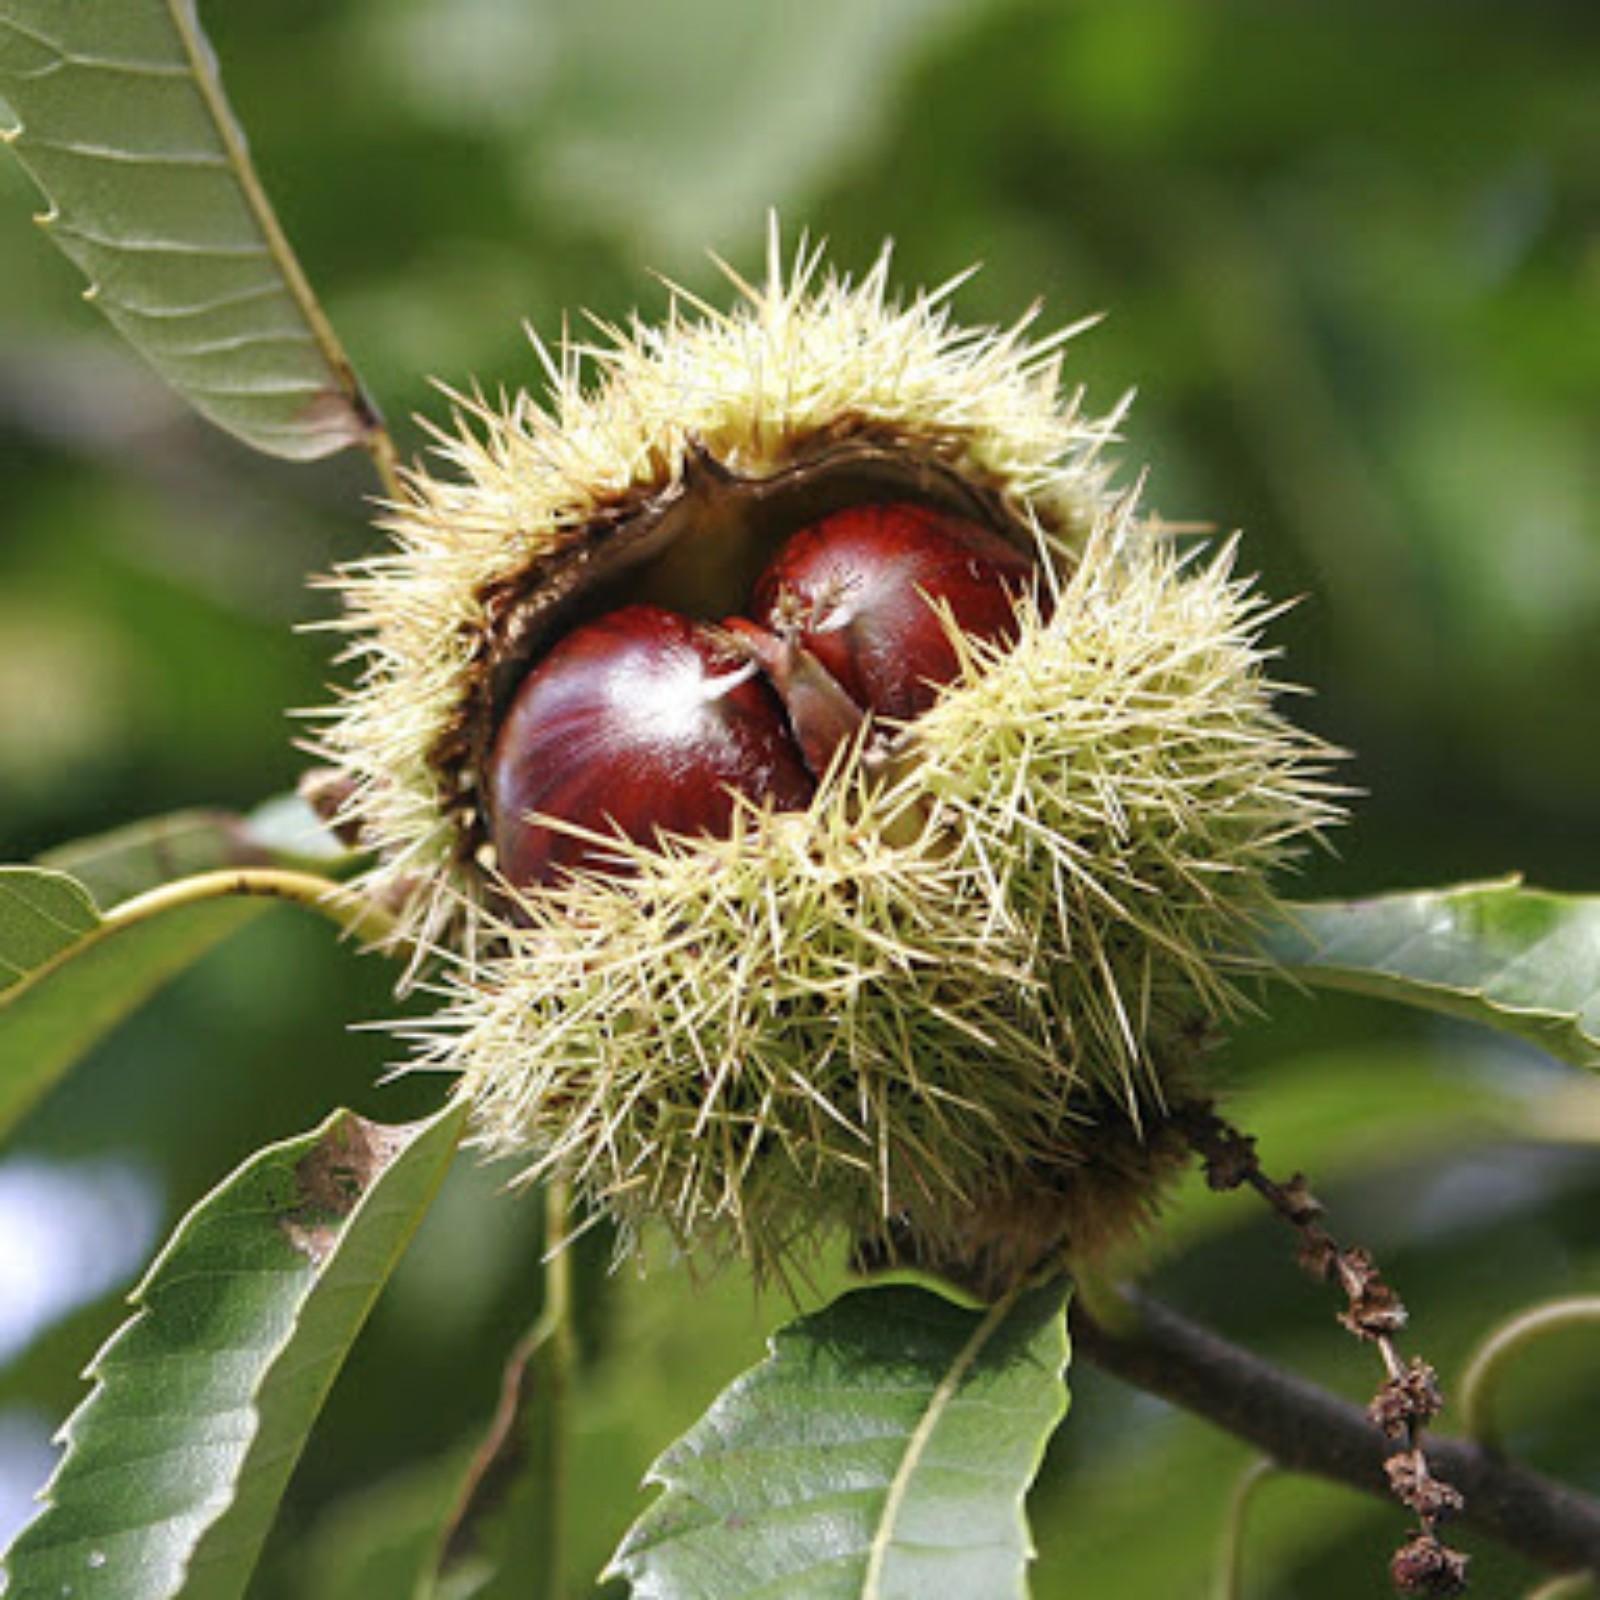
1305, 1429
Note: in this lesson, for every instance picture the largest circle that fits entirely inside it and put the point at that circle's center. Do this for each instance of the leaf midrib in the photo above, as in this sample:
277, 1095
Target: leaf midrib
944, 1396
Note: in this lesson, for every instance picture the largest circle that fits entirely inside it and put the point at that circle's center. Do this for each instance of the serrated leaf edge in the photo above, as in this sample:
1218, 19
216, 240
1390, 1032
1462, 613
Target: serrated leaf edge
137, 1298
1331, 974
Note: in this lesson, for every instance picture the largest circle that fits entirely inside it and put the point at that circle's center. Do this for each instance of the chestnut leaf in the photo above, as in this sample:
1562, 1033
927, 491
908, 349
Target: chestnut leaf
120, 116
68, 974
176, 1462
884, 1449
1524, 961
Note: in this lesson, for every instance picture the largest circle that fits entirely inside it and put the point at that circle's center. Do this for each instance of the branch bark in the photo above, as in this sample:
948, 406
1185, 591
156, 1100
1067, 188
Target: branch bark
1303, 1428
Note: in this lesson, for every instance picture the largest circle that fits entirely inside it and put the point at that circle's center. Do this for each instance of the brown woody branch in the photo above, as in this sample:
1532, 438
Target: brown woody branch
1303, 1428
1409, 1397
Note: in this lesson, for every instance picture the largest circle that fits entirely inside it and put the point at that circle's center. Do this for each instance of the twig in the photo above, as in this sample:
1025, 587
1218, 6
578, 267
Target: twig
1409, 1398
1303, 1428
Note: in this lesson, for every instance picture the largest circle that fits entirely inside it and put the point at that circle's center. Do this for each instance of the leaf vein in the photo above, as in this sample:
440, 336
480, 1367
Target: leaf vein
67, 59
270, 290
206, 159
260, 389
128, 245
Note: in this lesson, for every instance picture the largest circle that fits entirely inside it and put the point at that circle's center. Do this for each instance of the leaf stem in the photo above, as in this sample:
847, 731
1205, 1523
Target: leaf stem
1481, 1381
555, 1327
1230, 1549
486, 1536
356, 916
1569, 1586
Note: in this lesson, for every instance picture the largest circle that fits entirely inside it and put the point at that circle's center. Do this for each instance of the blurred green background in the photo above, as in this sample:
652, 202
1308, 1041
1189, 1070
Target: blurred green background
1350, 257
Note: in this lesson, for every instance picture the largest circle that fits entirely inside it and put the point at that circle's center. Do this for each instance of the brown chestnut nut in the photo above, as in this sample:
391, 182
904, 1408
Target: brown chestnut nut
637, 722
858, 591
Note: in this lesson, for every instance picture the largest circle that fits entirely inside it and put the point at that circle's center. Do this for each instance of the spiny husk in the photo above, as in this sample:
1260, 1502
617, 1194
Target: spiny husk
910, 1010
946, 1007
804, 363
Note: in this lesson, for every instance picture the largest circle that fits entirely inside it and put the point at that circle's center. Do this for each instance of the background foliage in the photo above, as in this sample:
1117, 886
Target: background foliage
1352, 264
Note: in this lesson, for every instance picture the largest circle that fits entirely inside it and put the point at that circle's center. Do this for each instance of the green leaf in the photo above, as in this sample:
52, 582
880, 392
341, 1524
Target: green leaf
42, 914
203, 1401
882, 1450
69, 975
123, 123
144, 855
1525, 961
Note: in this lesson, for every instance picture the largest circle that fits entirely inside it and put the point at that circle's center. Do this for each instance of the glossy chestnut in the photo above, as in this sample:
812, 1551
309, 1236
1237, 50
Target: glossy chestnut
644, 721
638, 722
861, 590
